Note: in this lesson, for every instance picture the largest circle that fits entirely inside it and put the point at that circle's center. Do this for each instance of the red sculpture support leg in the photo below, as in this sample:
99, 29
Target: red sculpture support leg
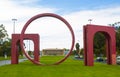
14, 52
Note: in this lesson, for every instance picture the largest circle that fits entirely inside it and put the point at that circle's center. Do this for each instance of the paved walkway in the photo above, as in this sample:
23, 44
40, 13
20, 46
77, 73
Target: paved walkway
4, 62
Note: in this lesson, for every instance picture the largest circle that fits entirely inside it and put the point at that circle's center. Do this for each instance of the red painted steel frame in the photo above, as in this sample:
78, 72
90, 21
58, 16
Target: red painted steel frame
47, 15
89, 33
16, 40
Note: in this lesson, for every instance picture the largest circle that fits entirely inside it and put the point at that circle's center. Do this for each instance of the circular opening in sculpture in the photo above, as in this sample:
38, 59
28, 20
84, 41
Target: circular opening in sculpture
47, 15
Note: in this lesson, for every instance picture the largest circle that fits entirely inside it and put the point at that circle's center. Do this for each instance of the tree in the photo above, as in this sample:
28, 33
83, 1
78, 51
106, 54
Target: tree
3, 40
118, 41
6, 48
77, 49
99, 44
81, 51
3, 34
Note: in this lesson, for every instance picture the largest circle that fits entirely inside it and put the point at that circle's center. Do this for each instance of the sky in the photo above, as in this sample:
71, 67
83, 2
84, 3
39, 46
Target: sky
54, 33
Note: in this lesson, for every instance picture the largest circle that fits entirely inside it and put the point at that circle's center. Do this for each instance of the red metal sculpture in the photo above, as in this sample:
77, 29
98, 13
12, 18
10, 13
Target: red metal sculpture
16, 41
89, 32
22, 36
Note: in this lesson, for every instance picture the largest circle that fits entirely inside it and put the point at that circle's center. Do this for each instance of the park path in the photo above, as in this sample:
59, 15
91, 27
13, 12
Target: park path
5, 62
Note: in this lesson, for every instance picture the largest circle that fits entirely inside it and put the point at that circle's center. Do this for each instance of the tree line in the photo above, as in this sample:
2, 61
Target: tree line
5, 42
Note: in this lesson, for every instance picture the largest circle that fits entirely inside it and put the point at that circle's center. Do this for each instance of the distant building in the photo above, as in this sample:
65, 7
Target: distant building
53, 52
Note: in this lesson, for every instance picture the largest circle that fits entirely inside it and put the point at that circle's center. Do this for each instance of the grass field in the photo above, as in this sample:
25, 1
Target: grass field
8, 58
2, 58
69, 68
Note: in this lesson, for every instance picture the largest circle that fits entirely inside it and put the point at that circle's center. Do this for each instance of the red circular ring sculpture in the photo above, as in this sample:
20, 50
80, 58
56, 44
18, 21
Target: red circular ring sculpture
46, 15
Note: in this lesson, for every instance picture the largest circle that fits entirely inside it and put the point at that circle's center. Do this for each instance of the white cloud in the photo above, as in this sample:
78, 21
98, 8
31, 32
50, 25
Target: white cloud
9, 9
23, 13
100, 17
52, 32
27, 1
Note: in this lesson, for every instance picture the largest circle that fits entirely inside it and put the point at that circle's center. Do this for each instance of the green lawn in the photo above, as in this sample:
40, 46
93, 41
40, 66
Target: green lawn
3, 58
69, 68
8, 58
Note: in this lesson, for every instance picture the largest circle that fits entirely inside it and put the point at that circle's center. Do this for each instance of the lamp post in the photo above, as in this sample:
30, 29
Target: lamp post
14, 24
90, 20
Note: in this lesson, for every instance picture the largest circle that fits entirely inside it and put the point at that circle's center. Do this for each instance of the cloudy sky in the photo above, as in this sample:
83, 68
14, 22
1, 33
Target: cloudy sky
53, 33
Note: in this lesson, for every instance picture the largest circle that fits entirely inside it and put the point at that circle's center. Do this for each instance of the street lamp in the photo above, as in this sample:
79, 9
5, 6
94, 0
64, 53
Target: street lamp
14, 24
90, 20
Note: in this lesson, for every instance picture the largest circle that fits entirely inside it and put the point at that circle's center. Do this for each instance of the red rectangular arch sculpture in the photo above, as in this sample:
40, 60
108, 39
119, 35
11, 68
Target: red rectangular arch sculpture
16, 40
89, 32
